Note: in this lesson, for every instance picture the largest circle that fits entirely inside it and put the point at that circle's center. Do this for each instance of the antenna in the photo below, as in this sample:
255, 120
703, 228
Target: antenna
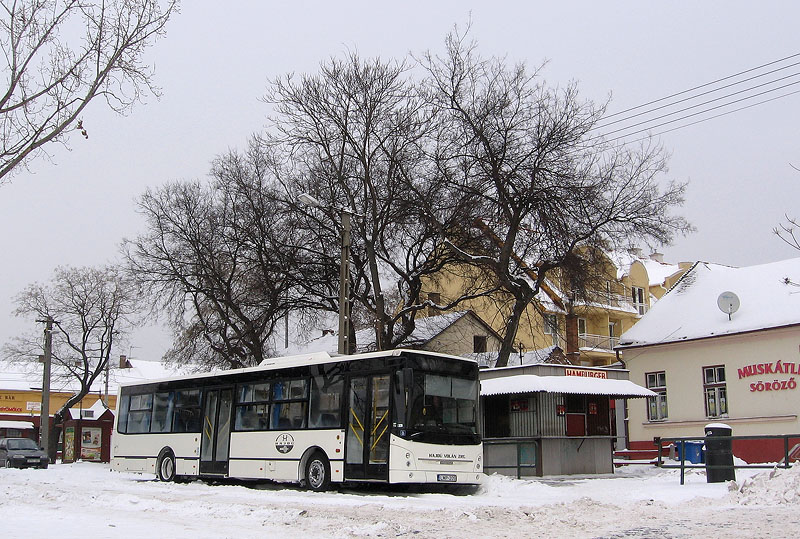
728, 303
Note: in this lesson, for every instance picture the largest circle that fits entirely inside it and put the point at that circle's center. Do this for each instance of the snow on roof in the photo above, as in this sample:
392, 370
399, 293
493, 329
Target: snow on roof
658, 272
623, 260
532, 383
425, 329
530, 357
93, 412
16, 377
428, 327
689, 310
16, 425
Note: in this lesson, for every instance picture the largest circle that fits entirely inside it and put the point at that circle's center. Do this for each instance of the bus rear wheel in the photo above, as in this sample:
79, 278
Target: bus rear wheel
165, 467
318, 472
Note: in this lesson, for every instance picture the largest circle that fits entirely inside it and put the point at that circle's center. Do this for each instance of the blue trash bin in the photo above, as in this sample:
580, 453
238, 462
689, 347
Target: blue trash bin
694, 451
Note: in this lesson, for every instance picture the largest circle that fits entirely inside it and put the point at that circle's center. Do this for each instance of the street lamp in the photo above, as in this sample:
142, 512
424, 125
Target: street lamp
344, 271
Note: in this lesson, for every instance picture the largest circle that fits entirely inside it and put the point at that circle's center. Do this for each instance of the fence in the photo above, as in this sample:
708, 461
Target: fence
788, 455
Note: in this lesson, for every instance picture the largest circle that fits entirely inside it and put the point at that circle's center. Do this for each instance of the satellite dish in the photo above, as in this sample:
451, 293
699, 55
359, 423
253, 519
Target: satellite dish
728, 303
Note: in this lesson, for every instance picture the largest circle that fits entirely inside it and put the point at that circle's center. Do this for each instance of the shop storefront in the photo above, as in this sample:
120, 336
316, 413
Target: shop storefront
722, 346
547, 419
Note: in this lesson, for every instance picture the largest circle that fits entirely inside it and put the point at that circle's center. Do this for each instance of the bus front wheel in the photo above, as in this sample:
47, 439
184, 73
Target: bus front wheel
165, 468
318, 472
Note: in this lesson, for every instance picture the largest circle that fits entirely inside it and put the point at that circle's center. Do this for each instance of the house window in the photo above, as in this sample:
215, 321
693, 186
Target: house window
479, 343
550, 323
657, 406
581, 326
715, 391
638, 299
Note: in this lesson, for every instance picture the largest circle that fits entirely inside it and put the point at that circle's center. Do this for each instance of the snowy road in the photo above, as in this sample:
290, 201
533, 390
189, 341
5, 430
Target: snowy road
88, 500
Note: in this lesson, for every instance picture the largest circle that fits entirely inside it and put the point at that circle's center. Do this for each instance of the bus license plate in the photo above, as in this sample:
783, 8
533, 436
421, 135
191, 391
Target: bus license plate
446, 477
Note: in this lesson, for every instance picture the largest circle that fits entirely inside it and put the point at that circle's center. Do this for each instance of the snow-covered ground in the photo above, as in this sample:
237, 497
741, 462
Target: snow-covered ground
88, 500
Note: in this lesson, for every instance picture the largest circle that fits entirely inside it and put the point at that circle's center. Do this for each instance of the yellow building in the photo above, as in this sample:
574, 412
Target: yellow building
587, 331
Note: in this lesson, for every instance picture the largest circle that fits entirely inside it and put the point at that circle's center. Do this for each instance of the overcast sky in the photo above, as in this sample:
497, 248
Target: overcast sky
215, 61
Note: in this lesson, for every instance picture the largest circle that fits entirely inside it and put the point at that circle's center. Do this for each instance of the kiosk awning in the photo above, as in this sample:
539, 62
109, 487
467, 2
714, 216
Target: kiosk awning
531, 383
22, 425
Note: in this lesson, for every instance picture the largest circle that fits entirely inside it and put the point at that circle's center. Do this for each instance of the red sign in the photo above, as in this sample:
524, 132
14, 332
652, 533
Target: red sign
772, 368
586, 373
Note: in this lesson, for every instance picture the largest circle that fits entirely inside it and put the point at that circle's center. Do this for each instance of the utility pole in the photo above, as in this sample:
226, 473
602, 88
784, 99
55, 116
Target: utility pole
344, 286
44, 414
344, 271
108, 366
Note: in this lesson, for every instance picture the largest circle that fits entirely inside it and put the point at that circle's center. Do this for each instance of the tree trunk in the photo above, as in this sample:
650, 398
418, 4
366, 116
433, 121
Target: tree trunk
510, 332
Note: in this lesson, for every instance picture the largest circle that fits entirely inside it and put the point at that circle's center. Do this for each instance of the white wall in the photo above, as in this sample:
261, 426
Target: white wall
750, 412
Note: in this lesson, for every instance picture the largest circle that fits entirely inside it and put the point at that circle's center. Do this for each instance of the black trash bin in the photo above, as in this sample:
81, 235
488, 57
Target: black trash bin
719, 453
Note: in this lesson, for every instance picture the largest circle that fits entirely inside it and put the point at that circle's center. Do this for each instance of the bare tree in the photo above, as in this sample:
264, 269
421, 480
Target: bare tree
90, 308
219, 259
788, 232
550, 191
60, 55
356, 136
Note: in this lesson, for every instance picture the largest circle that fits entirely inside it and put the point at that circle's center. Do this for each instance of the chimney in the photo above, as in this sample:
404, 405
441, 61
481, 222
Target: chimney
573, 351
635, 251
658, 257
124, 363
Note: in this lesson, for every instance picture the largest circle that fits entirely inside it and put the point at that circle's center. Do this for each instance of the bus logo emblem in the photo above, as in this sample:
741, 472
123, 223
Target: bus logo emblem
284, 443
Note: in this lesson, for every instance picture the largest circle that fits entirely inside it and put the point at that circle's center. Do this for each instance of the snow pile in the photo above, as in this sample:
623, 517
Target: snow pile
773, 487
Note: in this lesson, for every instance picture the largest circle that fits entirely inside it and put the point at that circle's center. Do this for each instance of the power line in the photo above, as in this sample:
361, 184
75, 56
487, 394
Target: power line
703, 85
702, 94
699, 121
700, 105
695, 106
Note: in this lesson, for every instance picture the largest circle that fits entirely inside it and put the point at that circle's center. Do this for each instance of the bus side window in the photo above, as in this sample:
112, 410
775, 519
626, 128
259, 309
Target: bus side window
326, 401
122, 422
162, 412
186, 417
139, 413
289, 415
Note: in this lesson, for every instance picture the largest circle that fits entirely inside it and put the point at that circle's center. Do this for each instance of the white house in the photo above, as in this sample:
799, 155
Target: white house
722, 344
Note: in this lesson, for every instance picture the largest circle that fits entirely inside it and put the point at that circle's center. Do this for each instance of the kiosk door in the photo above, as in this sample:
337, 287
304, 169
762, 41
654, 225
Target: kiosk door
367, 438
216, 436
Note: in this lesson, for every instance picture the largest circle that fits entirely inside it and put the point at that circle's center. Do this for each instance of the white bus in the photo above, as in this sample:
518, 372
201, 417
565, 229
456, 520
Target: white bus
400, 416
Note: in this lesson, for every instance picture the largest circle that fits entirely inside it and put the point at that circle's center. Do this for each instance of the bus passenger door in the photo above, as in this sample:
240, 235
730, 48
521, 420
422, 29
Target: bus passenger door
367, 438
215, 440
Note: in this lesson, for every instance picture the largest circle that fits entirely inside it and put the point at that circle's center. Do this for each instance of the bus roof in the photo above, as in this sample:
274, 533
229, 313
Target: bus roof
300, 360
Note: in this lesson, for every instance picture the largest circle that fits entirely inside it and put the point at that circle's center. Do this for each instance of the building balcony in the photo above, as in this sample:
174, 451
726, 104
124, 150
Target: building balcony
597, 342
616, 302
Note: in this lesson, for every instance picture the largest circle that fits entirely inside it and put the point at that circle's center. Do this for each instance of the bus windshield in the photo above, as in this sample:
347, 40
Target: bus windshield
443, 409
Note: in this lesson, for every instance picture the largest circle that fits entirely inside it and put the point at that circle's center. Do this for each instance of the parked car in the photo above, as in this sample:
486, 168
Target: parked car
22, 453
